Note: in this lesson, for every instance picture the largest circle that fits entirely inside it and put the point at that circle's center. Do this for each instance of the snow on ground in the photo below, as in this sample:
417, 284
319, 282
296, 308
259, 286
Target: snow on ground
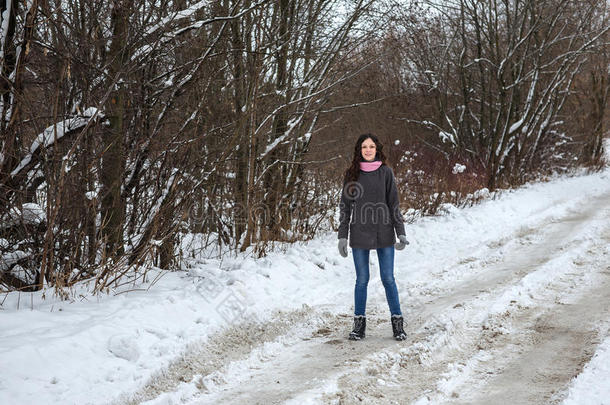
94, 350
56, 352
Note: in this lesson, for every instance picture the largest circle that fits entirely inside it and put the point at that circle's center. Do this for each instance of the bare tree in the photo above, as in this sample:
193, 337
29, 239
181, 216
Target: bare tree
501, 72
137, 112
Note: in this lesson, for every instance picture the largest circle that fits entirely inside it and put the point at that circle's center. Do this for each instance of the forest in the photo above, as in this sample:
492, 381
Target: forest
137, 133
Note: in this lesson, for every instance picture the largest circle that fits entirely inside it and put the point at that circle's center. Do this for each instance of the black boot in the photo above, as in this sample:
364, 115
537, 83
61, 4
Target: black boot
399, 333
359, 327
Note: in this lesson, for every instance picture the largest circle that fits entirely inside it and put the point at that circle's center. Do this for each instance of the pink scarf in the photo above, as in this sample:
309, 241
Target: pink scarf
370, 166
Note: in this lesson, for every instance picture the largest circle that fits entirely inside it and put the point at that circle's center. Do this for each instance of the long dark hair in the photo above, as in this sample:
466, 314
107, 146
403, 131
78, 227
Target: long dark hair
352, 173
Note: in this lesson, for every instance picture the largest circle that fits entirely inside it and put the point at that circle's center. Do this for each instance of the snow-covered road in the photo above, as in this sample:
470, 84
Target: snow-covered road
505, 302
512, 324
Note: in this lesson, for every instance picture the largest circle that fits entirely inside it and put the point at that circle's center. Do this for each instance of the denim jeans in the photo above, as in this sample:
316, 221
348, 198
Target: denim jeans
386, 270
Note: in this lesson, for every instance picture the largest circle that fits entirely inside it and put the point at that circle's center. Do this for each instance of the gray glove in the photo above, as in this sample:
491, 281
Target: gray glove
402, 242
343, 247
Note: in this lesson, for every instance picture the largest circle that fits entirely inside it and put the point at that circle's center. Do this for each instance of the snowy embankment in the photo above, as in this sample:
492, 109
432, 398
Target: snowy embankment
93, 350
592, 386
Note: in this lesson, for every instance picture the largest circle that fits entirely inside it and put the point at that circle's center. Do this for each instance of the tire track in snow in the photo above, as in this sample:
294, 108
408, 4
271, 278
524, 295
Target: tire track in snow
206, 362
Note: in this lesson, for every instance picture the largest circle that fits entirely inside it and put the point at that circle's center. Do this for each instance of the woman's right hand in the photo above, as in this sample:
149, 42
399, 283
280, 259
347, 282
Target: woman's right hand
343, 247
402, 242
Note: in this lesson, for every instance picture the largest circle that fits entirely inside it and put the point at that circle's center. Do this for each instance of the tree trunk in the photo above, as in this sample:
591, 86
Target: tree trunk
241, 175
113, 161
276, 175
599, 101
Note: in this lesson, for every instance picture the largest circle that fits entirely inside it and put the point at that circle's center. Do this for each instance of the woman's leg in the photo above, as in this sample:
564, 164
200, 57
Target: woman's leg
361, 262
386, 270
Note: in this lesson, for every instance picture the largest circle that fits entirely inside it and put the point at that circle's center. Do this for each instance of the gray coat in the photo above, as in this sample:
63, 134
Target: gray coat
369, 210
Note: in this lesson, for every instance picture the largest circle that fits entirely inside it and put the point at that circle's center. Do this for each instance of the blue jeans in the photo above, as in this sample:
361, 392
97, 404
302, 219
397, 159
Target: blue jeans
386, 270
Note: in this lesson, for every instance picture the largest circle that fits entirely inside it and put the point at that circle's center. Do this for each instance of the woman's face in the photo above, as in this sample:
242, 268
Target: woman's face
369, 149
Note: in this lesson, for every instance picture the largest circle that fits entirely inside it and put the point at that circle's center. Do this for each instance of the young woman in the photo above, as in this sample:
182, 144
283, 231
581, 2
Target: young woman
371, 216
